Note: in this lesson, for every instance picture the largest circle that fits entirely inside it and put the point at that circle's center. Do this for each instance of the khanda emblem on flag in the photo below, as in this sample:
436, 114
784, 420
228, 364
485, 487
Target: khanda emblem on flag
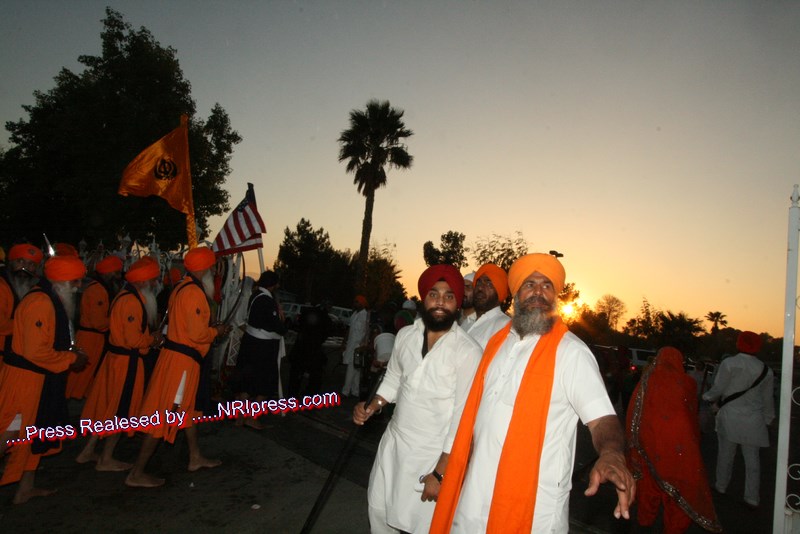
165, 169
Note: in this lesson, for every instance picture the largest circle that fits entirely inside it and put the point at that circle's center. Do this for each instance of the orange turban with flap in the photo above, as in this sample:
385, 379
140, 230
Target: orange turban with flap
448, 273
199, 259
531, 263
64, 269
498, 277
109, 264
142, 270
25, 251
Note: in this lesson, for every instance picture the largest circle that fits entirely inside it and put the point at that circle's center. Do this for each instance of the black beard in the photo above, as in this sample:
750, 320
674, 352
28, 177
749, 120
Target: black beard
487, 304
436, 324
533, 320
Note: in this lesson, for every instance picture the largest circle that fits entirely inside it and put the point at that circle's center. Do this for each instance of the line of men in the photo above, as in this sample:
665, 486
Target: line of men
45, 361
484, 430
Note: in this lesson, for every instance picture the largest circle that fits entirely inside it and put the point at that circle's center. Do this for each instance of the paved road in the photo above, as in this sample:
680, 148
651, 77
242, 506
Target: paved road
269, 480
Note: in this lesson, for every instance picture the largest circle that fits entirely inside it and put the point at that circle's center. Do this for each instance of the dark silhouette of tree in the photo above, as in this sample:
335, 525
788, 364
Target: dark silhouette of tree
612, 307
678, 330
373, 143
303, 258
644, 326
500, 250
383, 279
67, 157
452, 251
716, 319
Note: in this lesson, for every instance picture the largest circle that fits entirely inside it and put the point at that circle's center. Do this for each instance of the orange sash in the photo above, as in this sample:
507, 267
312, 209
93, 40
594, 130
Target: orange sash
518, 471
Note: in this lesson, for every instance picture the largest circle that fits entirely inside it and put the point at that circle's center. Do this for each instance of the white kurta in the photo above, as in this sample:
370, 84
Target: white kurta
743, 420
357, 335
487, 325
430, 394
578, 392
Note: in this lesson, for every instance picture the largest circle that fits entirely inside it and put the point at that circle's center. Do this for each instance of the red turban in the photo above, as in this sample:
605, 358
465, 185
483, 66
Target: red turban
448, 273
25, 251
64, 269
109, 264
142, 270
749, 342
65, 249
361, 299
498, 277
531, 263
199, 259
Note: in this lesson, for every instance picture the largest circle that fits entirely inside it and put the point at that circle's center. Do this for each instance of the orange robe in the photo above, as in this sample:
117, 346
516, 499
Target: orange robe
125, 332
34, 335
91, 337
6, 313
189, 317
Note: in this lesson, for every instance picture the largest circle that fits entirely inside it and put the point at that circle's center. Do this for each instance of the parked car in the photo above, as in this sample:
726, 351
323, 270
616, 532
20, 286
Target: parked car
341, 315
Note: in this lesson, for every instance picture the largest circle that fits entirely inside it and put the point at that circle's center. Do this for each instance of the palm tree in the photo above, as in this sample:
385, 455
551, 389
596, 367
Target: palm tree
373, 142
716, 319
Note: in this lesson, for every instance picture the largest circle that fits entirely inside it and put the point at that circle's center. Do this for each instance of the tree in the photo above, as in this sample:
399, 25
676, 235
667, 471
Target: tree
678, 330
452, 251
373, 142
500, 250
299, 258
68, 155
612, 307
716, 319
644, 326
383, 279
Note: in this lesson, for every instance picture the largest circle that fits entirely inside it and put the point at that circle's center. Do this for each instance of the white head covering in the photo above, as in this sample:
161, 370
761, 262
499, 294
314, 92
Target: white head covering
469, 277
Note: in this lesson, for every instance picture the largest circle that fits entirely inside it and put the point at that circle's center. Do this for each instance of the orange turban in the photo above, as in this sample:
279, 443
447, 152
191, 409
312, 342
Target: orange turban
109, 264
25, 251
64, 269
498, 277
361, 299
65, 249
531, 263
199, 259
448, 273
142, 270
749, 343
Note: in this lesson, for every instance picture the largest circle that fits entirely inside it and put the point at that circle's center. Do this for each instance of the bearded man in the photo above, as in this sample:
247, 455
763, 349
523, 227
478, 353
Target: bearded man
93, 330
510, 467
15, 282
176, 376
119, 386
467, 316
34, 372
490, 288
428, 377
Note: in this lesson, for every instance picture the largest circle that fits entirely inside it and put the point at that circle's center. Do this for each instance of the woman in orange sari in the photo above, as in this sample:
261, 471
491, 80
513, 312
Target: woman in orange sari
664, 448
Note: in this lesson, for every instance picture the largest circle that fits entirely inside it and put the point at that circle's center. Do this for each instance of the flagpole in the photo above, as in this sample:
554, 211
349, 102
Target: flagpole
260, 260
191, 230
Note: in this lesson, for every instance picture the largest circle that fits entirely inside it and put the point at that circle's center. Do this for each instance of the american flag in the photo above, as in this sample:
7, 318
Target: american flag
242, 231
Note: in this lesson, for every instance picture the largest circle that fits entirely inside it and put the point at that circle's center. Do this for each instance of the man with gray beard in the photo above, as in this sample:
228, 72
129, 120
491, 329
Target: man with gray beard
33, 375
119, 386
510, 466
175, 379
15, 281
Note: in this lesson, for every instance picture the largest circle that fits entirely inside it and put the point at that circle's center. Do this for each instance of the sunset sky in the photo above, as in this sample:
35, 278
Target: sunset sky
654, 144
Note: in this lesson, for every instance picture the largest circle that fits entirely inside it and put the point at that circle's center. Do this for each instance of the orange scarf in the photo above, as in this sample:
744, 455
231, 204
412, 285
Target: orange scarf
518, 471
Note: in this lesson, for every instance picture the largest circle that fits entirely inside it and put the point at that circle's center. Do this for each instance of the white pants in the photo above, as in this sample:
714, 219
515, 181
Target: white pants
752, 468
377, 522
352, 381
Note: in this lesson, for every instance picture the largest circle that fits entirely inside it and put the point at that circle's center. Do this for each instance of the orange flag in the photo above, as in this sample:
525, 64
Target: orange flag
163, 169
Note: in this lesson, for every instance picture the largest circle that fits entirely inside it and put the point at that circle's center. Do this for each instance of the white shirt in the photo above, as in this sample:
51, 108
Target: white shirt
578, 392
487, 325
429, 393
357, 336
743, 420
